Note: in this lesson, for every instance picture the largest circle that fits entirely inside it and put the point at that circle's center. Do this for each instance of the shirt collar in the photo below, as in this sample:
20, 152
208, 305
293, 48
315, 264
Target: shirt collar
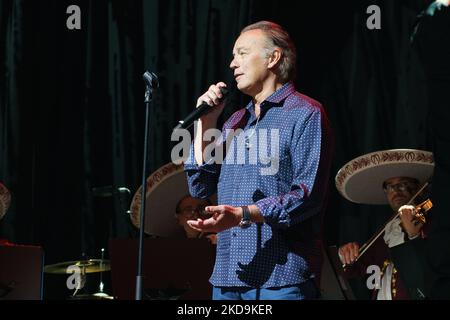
275, 98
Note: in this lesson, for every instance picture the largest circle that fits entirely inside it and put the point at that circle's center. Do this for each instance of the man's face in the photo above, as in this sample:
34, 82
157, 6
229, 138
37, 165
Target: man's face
400, 190
250, 62
189, 210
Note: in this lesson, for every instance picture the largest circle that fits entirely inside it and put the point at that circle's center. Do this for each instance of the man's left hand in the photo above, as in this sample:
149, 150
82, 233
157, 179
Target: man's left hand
223, 217
409, 223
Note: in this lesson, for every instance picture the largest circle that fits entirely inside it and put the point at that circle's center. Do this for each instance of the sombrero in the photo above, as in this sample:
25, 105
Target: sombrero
165, 187
5, 200
361, 179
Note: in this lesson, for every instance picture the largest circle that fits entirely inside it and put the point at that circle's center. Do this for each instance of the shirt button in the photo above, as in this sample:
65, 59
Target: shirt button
234, 234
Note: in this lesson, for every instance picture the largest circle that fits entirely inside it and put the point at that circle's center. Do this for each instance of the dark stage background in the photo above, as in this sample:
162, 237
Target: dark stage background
72, 114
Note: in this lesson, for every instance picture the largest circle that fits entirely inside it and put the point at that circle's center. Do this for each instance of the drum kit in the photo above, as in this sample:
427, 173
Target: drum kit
165, 184
84, 267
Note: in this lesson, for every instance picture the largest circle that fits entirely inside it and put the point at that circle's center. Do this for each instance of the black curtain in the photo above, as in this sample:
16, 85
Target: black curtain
72, 113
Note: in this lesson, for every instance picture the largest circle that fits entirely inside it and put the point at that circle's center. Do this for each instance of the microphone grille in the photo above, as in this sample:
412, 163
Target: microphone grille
224, 92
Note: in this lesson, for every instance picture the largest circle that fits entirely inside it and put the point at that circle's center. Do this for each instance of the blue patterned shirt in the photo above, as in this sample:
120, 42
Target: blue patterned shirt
285, 249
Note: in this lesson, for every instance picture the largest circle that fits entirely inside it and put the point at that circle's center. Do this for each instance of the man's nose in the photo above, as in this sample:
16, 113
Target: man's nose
233, 64
193, 215
398, 193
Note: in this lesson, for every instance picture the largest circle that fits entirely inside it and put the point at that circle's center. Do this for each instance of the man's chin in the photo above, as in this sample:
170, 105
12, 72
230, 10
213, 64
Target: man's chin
242, 87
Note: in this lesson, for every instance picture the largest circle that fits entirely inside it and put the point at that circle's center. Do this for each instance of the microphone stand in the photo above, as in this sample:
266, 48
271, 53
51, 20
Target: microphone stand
151, 82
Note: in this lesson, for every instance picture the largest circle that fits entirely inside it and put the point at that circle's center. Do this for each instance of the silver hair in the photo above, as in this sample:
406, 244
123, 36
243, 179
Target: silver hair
278, 37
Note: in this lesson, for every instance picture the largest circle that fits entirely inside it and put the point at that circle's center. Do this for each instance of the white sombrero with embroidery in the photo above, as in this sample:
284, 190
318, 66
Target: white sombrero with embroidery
5, 200
165, 187
361, 179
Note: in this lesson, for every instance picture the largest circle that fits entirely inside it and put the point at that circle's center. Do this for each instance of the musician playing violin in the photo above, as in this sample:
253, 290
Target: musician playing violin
400, 235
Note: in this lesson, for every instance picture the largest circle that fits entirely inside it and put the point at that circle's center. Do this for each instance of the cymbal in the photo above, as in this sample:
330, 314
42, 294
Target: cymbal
86, 266
95, 296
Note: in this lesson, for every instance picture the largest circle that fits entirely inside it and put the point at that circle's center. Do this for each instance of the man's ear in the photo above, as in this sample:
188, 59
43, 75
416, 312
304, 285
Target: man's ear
274, 57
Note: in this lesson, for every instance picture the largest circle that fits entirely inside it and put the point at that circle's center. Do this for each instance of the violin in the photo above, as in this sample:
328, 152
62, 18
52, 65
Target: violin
421, 211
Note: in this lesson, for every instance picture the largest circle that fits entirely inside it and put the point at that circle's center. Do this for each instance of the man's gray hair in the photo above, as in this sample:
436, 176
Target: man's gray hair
278, 37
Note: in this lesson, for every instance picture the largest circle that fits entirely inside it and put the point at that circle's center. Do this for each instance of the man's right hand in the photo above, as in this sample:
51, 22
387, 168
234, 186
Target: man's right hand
348, 252
212, 98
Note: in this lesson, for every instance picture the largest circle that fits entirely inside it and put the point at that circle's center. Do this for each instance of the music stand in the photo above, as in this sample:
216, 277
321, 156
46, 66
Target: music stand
344, 285
173, 268
21, 272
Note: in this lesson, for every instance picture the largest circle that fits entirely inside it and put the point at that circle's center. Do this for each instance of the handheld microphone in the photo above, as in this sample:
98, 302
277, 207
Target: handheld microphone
198, 112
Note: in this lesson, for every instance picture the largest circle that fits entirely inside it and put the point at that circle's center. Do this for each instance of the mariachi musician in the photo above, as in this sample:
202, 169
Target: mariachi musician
394, 177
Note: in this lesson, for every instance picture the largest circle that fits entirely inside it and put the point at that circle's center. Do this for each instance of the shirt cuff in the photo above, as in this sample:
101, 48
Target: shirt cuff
268, 207
262, 206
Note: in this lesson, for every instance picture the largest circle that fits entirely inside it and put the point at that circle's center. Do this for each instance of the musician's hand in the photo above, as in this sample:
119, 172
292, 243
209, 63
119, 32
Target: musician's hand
212, 98
348, 252
212, 238
223, 217
411, 226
